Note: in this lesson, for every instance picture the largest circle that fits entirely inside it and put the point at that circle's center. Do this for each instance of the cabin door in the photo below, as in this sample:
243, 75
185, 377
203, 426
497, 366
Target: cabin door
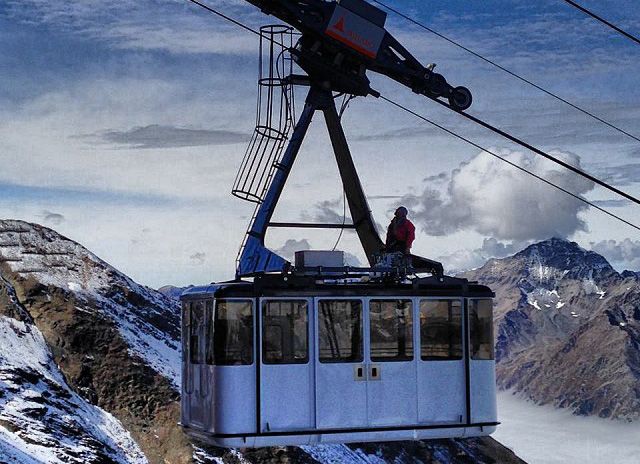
287, 396
391, 362
340, 369
441, 365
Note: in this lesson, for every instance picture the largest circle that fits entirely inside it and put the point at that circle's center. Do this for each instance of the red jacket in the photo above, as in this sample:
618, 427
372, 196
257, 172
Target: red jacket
404, 234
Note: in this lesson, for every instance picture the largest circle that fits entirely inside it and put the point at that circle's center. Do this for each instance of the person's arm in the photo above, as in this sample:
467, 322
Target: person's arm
411, 236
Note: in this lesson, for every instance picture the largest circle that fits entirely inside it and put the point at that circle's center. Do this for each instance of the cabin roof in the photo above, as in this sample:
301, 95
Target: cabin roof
269, 286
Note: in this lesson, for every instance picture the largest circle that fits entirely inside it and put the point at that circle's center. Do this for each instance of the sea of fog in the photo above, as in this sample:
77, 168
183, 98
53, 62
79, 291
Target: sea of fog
546, 435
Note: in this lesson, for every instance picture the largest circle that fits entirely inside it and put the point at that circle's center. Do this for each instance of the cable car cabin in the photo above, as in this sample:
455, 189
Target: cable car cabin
292, 361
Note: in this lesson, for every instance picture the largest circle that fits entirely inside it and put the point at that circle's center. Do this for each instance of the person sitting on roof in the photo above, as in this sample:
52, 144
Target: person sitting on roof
400, 233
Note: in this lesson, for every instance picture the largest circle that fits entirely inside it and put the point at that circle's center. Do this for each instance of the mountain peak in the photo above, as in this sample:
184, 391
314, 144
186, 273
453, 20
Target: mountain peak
564, 255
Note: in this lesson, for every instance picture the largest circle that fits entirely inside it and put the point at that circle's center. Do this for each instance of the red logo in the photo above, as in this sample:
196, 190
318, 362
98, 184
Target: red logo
339, 25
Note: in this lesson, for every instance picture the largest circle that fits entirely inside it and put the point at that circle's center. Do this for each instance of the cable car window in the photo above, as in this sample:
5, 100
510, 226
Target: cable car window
340, 330
391, 330
285, 332
210, 331
186, 330
440, 330
481, 329
233, 333
197, 322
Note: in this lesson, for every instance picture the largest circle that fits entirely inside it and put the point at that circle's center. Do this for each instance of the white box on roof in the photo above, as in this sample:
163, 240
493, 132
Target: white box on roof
316, 258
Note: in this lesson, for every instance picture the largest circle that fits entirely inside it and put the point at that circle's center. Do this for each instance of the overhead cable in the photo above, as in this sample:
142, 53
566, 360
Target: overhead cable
564, 164
511, 73
578, 197
470, 142
224, 16
603, 21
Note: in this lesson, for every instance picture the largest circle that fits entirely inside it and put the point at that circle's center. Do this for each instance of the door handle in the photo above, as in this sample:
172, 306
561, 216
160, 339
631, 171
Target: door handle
374, 372
358, 372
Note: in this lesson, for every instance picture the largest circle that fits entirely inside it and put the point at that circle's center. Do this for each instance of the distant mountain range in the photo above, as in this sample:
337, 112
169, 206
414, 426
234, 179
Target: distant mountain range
173, 292
567, 328
90, 370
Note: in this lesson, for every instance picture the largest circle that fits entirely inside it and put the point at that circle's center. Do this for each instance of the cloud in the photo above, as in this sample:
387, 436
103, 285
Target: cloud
466, 259
327, 211
611, 203
624, 174
492, 198
198, 258
292, 245
404, 133
289, 248
351, 260
170, 26
53, 218
623, 254
160, 136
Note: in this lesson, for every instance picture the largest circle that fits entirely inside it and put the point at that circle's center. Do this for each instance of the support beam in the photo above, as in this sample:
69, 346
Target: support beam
358, 206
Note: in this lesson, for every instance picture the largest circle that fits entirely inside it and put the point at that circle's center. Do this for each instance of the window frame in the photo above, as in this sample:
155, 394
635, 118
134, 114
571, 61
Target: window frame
252, 331
263, 305
412, 350
470, 350
196, 356
461, 302
363, 306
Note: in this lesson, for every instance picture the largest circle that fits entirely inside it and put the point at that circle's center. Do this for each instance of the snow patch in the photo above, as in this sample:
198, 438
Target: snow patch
542, 297
74, 287
338, 454
591, 288
43, 254
53, 424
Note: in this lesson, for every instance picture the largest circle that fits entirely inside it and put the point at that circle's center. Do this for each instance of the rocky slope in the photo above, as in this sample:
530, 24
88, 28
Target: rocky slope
567, 328
89, 370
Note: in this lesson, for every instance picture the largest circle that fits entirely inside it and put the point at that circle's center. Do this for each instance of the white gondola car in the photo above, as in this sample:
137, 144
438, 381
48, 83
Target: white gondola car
316, 351
301, 361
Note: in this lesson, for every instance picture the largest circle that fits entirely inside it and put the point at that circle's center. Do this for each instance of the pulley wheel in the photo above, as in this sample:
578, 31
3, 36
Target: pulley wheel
460, 98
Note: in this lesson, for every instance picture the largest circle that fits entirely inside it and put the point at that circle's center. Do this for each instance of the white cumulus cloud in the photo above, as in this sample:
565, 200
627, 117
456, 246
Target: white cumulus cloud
494, 199
624, 254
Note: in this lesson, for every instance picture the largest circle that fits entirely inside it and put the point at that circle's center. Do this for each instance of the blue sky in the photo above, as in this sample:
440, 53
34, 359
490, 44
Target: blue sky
122, 125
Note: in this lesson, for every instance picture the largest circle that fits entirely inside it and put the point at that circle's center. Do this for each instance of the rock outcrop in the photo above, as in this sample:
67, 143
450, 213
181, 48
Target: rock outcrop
567, 329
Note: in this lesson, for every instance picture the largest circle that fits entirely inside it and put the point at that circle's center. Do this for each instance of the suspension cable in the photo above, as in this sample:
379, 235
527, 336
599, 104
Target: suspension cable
473, 118
603, 21
511, 73
470, 142
542, 153
224, 16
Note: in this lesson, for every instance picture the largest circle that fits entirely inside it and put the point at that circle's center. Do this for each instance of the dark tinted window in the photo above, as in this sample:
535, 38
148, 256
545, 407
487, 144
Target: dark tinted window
186, 330
210, 326
285, 329
340, 328
440, 329
391, 331
233, 333
481, 328
196, 331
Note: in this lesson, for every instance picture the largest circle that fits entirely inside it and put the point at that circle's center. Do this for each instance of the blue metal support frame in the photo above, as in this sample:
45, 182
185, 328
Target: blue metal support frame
255, 257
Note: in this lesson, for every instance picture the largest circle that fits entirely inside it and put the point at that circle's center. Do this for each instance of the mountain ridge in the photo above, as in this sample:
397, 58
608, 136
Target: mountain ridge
113, 347
567, 327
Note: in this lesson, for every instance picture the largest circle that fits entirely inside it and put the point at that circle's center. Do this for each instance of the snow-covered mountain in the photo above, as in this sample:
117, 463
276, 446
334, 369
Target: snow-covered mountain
567, 328
90, 365
90, 339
